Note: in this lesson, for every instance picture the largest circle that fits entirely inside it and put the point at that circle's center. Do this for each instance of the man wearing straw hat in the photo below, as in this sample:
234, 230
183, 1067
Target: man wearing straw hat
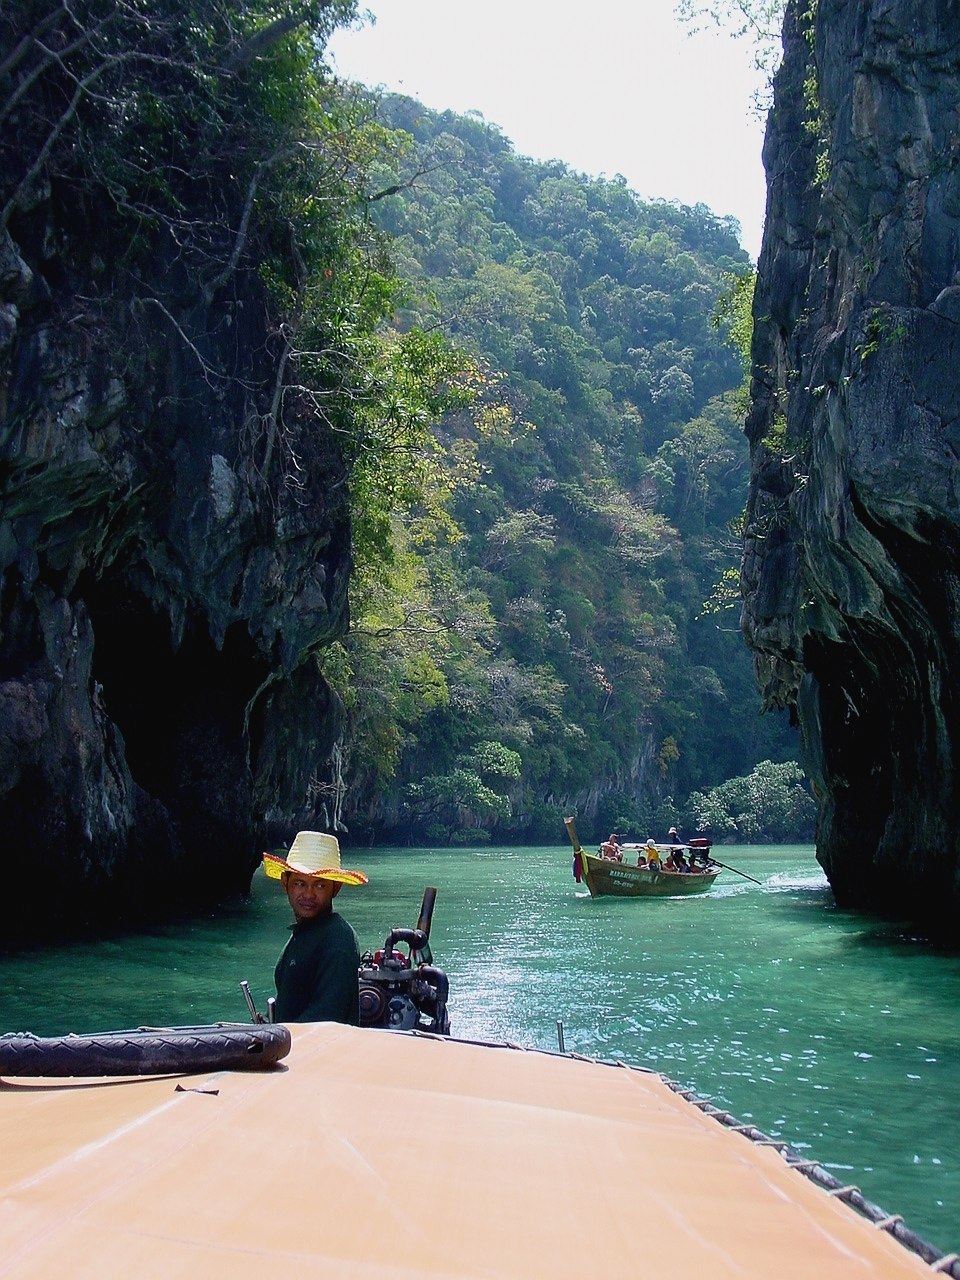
316, 974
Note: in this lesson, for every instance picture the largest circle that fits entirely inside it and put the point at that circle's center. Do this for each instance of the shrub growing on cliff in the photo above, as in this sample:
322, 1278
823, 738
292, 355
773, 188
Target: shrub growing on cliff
456, 807
214, 180
771, 803
757, 21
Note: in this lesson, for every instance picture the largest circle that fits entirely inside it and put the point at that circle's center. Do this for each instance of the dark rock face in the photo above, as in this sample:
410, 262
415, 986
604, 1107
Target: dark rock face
168, 570
852, 557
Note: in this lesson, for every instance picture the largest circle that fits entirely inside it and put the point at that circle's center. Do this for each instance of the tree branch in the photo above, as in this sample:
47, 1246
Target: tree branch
268, 36
407, 185
51, 56
19, 51
223, 276
207, 368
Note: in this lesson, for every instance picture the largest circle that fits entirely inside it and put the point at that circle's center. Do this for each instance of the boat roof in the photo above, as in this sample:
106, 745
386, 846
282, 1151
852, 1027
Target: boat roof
662, 845
374, 1153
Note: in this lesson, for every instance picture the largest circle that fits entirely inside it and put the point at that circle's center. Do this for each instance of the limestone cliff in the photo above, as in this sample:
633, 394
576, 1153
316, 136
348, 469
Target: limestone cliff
168, 570
851, 571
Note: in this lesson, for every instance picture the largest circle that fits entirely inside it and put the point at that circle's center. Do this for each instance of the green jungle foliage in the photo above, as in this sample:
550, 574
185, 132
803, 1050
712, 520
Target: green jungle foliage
196, 163
536, 639
772, 804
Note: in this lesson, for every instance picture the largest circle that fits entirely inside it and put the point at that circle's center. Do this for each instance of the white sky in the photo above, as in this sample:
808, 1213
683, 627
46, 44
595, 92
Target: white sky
610, 86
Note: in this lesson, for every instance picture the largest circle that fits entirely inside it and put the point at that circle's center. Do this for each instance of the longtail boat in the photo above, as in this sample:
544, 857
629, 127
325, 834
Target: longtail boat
405, 1154
616, 879
607, 878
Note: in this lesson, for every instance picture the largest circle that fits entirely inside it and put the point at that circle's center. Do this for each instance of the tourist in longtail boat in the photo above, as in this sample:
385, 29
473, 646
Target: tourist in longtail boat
654, 861
610, 849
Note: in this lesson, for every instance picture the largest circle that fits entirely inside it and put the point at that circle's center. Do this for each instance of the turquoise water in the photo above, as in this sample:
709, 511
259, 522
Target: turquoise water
837, 1032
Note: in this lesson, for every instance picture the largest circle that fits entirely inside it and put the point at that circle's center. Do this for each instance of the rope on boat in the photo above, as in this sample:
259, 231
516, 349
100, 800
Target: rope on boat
947, 1264
943, 1263
886, 1223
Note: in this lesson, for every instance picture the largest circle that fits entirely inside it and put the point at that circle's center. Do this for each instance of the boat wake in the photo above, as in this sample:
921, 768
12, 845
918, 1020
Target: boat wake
731, 890
790, 882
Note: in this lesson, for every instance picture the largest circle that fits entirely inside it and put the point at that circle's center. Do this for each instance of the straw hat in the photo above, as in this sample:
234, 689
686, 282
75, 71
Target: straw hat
314, 854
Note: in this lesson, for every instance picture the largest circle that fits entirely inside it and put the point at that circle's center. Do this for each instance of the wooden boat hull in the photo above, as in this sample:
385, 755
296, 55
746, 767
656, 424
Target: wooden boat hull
617, 880
328, 1169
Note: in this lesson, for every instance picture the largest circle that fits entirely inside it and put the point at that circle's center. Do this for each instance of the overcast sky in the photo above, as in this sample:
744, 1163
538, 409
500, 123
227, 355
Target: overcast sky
611, 86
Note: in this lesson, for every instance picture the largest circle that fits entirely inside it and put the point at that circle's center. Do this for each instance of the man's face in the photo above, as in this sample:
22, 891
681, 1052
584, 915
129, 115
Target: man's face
309, 898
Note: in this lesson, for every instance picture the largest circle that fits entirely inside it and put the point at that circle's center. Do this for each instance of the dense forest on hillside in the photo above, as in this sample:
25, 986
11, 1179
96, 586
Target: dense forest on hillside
532, 634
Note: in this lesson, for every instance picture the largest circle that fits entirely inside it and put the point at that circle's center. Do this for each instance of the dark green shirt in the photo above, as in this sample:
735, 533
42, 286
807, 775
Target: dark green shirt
316, 974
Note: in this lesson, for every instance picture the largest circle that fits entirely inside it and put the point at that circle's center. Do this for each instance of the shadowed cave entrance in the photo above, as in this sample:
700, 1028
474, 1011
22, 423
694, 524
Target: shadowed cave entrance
180, 710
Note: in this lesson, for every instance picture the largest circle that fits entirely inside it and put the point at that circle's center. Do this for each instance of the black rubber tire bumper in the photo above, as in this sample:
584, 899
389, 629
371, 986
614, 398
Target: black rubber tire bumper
147, 1051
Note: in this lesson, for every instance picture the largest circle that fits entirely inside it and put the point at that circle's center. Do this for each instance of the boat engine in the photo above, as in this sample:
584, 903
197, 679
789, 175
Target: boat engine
700, 847
405, 992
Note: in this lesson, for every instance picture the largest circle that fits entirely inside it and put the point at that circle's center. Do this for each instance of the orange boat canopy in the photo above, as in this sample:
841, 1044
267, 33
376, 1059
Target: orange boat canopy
374, 1155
